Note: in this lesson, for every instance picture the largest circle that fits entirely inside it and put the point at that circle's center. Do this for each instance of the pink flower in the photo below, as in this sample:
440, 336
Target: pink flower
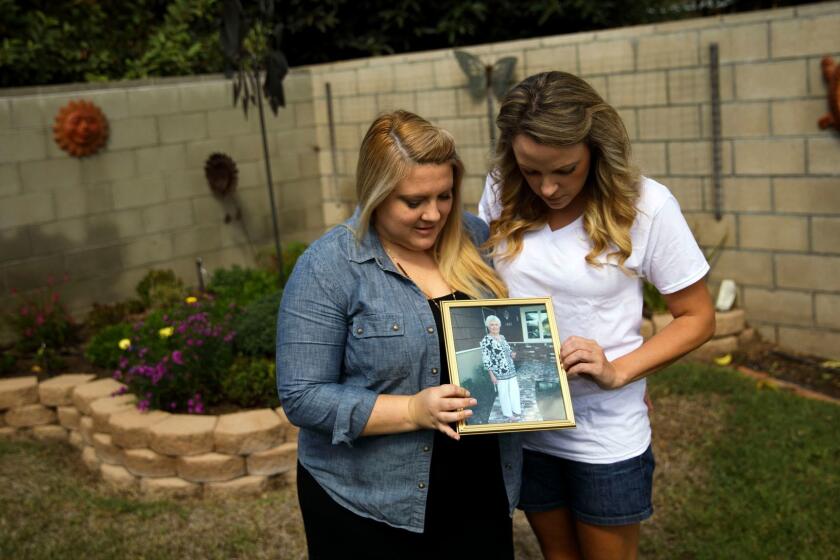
24, 311
178, 357
54, 297
39, 319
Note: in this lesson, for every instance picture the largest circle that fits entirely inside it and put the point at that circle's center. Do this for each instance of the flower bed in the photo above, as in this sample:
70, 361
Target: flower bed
155, 452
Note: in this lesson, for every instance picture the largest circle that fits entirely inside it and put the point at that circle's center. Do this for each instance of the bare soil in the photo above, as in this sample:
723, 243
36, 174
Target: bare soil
806, 370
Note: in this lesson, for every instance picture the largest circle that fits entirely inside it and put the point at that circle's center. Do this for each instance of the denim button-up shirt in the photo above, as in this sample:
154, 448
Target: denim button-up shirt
350, 328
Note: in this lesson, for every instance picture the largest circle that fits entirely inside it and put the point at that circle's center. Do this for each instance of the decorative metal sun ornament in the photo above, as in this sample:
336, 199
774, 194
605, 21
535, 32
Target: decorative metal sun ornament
223, 176
80, 129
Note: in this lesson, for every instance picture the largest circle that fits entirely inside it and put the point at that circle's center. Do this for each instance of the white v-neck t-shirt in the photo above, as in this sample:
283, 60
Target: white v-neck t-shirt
603, 304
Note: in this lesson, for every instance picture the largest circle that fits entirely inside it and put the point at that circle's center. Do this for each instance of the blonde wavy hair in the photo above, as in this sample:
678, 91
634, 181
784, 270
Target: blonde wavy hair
393, 145
560, 109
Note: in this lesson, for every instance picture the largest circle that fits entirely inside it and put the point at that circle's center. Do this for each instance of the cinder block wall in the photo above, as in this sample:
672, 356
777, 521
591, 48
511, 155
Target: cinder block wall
144, 202
779, 236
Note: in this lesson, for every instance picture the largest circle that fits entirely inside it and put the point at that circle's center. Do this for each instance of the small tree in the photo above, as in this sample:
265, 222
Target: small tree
251, 45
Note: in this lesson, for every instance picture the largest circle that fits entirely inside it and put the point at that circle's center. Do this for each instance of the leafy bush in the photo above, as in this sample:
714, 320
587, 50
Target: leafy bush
160, 289
103, 350
175, 359
242, 285
267, 259
71, 41
250, 383
8, 361
40, 320
256, 326
653, 302
105, 314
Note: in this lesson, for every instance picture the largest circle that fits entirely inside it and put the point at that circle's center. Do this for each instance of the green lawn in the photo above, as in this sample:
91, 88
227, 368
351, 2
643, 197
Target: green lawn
742, 472
748, 472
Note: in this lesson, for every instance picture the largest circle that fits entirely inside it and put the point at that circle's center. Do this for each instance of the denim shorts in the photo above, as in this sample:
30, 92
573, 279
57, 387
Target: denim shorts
611, 494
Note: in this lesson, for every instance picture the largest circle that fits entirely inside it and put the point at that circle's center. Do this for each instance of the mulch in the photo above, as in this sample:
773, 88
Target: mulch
789, 368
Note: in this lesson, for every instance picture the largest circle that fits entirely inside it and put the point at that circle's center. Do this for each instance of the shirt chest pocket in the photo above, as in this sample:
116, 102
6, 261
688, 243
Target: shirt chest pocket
377, 346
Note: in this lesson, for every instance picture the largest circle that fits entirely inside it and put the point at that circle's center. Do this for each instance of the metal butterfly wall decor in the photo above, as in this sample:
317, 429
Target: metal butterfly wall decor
487, 80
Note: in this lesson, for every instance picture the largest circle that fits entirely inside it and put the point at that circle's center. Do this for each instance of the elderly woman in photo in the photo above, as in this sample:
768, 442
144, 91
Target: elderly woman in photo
361, 365
498, 361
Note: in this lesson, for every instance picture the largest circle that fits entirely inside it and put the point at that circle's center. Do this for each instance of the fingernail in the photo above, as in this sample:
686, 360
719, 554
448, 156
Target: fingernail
468, 412
468, 392
473, 402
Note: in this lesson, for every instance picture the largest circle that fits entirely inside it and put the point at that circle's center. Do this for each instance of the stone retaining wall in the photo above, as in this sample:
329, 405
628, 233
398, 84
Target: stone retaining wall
155, 452
731, 330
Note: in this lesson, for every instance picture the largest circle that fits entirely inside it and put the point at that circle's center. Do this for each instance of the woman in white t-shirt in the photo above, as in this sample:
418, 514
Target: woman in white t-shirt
570, 217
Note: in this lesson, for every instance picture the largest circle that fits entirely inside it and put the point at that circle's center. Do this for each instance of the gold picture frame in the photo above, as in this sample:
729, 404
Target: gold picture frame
525, 354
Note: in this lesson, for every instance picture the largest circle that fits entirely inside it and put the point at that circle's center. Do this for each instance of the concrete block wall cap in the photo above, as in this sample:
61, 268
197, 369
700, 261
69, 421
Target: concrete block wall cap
246, 432
715, 348
729, 322
75, 439
84, 395
183, 434
291, 429
171, 487
69, 417
90, 458
7, 432
58, 391
130, 428
108, 407
18, 391
118, 477
210, 467
244, 486
50, 432
145, 462
30, 415
106, 450
280, 459
86, 429
661, 320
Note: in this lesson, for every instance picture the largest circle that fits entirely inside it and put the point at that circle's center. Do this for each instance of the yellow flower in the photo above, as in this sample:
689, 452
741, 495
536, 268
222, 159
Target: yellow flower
36, 369
166, 332
191, 300
124, 344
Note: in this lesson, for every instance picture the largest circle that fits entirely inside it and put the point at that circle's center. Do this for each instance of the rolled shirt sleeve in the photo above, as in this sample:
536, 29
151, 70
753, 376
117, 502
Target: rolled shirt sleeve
311, 337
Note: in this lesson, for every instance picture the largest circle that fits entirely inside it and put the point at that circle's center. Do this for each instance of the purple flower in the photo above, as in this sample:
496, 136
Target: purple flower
178, 357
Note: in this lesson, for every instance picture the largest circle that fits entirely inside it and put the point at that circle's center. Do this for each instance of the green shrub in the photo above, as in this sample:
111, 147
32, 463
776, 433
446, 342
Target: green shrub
8, 361
256, 326
161, 289
267, 258
242, 285
41, 321
250, 383
103, 350
653, 300
104, 314
176, 359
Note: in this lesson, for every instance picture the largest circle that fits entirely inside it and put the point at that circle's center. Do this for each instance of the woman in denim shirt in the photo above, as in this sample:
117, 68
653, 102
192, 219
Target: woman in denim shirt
361, 367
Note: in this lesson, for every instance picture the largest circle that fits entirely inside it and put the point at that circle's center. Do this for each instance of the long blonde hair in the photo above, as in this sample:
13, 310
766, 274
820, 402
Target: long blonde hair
560, 109
395, 143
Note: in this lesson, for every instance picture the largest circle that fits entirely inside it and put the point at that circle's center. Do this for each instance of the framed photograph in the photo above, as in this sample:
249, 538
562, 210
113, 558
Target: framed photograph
506, 353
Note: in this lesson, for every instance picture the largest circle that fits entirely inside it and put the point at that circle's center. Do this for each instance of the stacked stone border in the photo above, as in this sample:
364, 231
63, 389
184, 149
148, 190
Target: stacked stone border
156, 453
731, 331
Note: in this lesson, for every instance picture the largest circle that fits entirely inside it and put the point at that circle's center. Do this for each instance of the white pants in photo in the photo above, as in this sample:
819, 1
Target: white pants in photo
509, 396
